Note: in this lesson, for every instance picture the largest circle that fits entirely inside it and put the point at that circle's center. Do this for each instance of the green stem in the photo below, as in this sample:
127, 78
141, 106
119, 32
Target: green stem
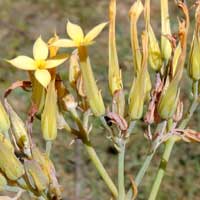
170, 143
121, 155
141, 174
163, 164
100, 168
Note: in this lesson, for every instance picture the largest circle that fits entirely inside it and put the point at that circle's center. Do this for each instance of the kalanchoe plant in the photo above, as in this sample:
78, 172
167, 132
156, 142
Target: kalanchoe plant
24, 167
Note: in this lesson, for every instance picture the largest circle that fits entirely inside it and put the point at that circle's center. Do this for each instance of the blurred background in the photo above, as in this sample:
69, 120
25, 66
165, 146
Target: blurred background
21, 22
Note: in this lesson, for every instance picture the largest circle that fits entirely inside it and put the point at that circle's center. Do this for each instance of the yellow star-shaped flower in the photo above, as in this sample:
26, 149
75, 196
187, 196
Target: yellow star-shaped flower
76, 34
40, 64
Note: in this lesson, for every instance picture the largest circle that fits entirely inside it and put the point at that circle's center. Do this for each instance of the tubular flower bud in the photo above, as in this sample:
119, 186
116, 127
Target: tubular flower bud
53, 50
136, 97
155, 58
4, 119
194, 63
114, 73
177, 54
48, 170
18, 128
37, 179
165, 30
134, 14
9, 164
139, 87
48, 119
168, 101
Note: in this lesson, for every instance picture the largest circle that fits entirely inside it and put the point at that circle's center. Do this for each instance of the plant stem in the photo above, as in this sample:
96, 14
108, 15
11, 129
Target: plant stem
141, 174
170, 143
121, 155
163, 164
100, 168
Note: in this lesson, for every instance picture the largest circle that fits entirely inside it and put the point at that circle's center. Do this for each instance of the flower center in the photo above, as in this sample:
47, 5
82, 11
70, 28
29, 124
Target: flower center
40, 64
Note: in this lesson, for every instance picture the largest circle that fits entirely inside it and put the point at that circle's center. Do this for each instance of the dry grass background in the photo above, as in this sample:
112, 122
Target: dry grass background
21, 22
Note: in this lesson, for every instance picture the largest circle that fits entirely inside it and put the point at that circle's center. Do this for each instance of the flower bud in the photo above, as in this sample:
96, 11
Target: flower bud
9, 164
52, 49
134, 14
155, 58
165, 30
37, 179
136, 97
48, 119
114, 73
168, 101
48, 169
194, 62
4, 119
18, 128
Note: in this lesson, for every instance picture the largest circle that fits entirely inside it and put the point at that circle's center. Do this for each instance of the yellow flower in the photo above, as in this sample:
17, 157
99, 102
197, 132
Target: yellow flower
80, 41
40, 64
76, 34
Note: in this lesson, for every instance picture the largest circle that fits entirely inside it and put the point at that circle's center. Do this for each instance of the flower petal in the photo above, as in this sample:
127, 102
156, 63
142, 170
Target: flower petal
40, 49
64, 43
91, 35
75, 32
56, 60
23, 62
43, 76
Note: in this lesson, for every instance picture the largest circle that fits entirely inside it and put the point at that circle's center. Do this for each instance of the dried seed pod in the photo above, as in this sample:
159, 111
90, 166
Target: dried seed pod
4, 120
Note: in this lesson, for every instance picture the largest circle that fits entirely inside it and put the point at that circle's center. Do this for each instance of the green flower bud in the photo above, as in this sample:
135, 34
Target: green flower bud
18, 128
37, 179
155, 58
194, 62
4, 119
166, 48
137, 97
48, 120
168, 101
9, 164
